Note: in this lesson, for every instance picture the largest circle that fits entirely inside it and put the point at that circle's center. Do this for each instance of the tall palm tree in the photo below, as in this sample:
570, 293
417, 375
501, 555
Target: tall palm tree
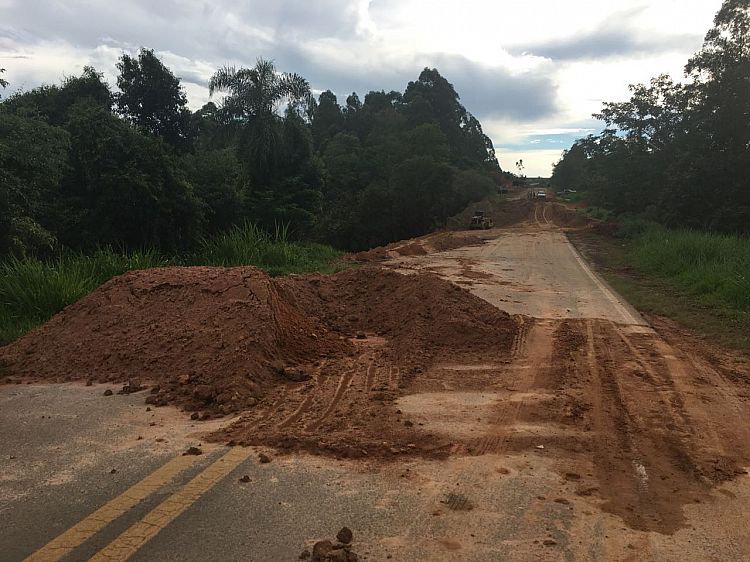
253, 97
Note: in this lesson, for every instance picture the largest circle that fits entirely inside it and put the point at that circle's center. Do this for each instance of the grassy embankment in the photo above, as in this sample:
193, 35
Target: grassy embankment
699, 279
33, 290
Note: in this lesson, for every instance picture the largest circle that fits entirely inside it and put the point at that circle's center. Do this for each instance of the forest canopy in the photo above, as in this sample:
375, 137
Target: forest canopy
677, 153
83, 165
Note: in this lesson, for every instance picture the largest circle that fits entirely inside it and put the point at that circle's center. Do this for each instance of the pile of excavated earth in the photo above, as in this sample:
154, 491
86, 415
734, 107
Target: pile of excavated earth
304, 358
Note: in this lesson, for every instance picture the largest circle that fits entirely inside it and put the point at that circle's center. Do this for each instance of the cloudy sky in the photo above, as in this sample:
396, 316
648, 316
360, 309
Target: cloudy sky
532, 71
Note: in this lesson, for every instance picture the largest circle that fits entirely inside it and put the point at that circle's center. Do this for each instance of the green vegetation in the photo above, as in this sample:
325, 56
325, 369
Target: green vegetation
597, 213
713, 268
677, 153
82, 166
699, 279
32, 290
276, 254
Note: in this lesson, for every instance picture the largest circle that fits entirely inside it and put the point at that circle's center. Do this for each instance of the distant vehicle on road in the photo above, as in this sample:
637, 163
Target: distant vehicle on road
541, 195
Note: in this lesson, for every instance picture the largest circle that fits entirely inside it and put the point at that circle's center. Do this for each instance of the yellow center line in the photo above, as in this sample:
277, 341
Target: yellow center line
124, 546
88, 527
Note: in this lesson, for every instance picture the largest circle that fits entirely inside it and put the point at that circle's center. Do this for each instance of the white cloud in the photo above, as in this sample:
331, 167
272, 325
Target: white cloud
348, 45
536, 162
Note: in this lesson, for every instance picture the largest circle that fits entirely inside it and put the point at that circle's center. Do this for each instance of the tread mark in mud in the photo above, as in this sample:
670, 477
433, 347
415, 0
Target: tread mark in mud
519, 341
722, 386
277, 405
458, 502
497, 443
608, 384
343, 385
394, 377
370, 377
663, 383
297, 414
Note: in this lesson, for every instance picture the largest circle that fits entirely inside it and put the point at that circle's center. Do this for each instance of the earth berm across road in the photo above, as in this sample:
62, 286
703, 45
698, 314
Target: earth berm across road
463, 396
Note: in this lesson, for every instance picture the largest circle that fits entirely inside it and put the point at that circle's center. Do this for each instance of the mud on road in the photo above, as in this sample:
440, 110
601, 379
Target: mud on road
520, 407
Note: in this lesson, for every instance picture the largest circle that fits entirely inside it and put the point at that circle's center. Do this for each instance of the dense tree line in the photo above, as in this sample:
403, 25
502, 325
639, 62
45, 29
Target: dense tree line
83, 166
678, 153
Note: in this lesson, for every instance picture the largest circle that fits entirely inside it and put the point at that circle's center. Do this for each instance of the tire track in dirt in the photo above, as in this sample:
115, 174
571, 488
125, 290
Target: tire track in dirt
600, 419
538, 352
662, 382
535, 354
299, 412
710, 441
652, 456
343, 385
394, 377
725, 391
370, 378
620, 468
519, 341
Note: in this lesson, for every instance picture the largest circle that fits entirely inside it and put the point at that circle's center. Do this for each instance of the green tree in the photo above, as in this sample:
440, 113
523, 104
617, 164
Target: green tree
327, 119
721, 88
151, 97
217, 181
431, 98
124, 188
253, 97
678, 153
53, 102
33, 159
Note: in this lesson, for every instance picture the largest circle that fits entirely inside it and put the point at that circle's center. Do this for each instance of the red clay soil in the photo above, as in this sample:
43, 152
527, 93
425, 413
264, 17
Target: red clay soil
451, 241
437, 242
422, 316
565, 216
216, 341
413, 249
204, 336
402, 325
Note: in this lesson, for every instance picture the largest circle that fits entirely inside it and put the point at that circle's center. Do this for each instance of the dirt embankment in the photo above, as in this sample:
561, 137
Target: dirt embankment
562, 215
503, 213
307, 358
435, 242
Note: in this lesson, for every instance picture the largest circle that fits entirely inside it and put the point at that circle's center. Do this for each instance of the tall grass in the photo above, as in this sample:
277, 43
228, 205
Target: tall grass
712, 267
272, 252
33, 290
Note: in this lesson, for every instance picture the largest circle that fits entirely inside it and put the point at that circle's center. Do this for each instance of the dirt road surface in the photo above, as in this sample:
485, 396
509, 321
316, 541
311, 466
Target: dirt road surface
599, 436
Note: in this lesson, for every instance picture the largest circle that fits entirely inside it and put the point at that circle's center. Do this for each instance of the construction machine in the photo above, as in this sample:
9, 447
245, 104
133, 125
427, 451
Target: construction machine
480, 222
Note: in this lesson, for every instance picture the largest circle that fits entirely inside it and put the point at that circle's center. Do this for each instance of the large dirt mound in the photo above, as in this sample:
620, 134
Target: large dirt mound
401, 326
423, 317
307, 358
204, 336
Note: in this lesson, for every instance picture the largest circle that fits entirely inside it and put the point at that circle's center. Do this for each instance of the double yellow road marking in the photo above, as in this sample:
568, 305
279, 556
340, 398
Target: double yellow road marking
149, 526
